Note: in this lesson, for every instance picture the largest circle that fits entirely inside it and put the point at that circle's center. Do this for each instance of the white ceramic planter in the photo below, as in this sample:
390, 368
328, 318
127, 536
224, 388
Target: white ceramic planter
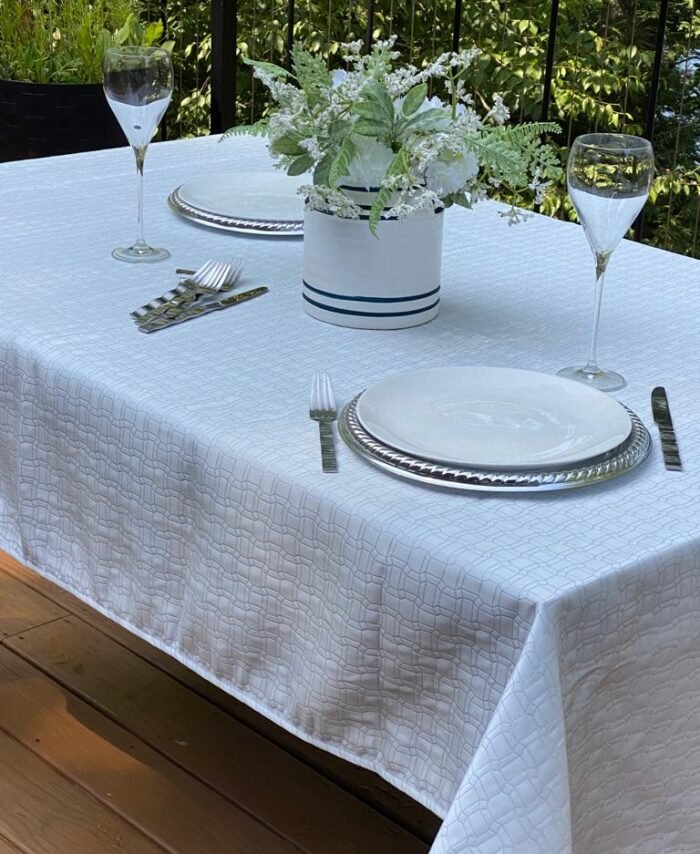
352, 278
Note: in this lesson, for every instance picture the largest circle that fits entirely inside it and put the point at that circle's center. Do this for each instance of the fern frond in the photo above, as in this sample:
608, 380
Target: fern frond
400, 165
268, 67
525, 134
310, 71
341, 163
496, 154
259, 128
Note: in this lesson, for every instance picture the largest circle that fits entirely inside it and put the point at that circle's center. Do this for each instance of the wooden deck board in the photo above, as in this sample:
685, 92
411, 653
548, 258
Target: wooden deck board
6, 847
206, 742
21, 609
162, 750
44, 813
120, 771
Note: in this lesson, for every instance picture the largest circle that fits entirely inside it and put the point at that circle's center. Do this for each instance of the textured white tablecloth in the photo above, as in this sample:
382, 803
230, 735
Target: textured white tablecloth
526, 666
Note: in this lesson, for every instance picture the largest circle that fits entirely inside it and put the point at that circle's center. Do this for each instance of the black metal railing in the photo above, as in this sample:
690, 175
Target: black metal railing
224, 15
564, 43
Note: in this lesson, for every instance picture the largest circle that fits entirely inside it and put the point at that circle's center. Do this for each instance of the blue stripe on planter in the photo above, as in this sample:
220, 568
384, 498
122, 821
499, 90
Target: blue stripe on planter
371, 313
356, 218
359, 189
370, 299
436, 211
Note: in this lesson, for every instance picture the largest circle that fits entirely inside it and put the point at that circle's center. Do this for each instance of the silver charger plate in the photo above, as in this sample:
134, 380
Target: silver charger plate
257, 227
620, 460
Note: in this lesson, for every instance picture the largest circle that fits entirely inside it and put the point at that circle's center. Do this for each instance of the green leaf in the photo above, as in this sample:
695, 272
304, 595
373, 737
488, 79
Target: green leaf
323, 170
365, 127
300, 165
429, 120
374, 91
414, 99
462, 200
338, 130
369, 110
288, 144
341, 163
153, 32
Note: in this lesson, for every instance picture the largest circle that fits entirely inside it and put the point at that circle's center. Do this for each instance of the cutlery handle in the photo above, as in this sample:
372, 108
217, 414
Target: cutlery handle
156, 306
197, 310
328, 459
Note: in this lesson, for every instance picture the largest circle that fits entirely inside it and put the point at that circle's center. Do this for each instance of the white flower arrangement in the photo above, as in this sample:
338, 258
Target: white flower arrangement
374, 126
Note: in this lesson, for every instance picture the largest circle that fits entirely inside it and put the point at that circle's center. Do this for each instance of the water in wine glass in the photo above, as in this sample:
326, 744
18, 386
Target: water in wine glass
605, 217
609, 176
138, 121
138, 84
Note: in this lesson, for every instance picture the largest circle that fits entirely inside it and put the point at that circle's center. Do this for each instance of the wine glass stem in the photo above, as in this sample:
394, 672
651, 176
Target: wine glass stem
601, 262
140, 153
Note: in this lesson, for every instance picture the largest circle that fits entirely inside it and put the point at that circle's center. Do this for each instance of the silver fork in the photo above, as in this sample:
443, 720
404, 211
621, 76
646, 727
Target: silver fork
322, 408
212, 277
197, 277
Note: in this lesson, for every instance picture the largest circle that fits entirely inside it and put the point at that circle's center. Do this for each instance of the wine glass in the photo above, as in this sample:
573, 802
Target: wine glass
138, 84
608, 176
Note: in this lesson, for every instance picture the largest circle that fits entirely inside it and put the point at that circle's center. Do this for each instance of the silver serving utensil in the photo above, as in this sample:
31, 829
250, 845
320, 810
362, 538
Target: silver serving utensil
212, 277
322, 408
662, 416
198, 309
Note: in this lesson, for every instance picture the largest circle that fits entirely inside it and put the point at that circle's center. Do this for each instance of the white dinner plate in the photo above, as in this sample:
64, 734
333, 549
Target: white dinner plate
256, 196
493, 418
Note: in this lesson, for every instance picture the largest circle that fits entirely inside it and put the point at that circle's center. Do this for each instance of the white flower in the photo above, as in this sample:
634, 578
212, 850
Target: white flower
499, 112
339, 76
445, 178
370, 163
431, 104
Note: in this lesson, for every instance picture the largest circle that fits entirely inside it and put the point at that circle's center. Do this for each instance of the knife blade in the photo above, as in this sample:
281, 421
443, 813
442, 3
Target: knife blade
662, 416
198, 310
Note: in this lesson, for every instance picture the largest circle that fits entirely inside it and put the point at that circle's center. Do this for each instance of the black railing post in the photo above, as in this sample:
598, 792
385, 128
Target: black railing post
290, 31
224, 42
457, 26
370, 26
656, 71
653, 94
549, 61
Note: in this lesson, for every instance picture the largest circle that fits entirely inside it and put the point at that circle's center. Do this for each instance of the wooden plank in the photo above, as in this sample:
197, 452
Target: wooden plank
43, 813
22, 608
280, 791
120, 771
6, 847
359, 782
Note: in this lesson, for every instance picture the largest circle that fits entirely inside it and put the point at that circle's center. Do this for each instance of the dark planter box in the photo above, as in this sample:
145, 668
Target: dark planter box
40, 119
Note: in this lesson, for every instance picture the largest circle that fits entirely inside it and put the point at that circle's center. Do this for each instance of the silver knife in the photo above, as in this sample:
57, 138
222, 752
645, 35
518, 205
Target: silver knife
197, 310
662, 417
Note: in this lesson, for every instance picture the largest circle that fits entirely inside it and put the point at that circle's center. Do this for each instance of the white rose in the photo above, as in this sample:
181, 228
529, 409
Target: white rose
368, 167
446, 178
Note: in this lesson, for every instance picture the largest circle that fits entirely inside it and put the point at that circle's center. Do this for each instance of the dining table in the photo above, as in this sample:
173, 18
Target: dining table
526, 665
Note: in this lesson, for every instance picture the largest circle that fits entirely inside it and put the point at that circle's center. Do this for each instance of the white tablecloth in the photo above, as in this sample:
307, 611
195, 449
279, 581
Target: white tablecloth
526, 666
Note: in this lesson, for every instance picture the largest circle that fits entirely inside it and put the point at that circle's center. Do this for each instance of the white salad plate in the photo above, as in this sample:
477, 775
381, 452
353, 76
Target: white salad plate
495, 419
247, 202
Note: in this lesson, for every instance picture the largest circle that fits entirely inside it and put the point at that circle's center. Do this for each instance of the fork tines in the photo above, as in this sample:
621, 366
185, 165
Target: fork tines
322, 408
212, 277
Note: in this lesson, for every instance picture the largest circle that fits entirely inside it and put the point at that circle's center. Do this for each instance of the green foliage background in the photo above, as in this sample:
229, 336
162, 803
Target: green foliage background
603, 63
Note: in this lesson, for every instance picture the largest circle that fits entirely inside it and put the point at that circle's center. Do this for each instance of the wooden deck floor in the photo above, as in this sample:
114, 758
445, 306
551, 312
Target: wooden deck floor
107, 744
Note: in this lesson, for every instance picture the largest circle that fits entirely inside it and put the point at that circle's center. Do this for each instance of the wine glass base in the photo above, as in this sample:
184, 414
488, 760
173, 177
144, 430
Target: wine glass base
602, 380
140, 254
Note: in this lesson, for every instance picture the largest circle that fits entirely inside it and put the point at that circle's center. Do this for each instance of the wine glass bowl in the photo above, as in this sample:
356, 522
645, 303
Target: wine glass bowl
138, 85
609, 176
